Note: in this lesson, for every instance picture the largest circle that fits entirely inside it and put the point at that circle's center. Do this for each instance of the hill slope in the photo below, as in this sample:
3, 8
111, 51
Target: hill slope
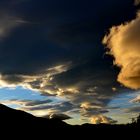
19, 119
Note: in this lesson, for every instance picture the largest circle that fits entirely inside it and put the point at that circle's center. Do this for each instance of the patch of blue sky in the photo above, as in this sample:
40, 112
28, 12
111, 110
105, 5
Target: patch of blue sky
20, 93
123, 100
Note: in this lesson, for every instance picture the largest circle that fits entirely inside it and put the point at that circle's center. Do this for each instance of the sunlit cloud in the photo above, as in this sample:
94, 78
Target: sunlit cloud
136, 100
57, 116
81, 97
88, 105
123, 42
59, 55
102, 119
40, 82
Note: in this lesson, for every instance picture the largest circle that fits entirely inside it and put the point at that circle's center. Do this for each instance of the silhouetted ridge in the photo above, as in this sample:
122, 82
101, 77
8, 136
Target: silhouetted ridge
19, 118
10, 117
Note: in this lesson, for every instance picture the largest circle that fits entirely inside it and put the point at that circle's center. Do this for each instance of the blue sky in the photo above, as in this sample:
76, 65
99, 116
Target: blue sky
19, 93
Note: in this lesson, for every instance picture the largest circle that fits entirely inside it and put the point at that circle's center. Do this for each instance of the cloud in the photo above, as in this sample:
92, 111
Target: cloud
42, 108
135, 109
9, 20
33, 103
7, 24
48, 106
58, 107
85, 90
26, 103
137, 2
89, 109
136, 100
102, 119
57, 116
40, 82
124, 44
61, 55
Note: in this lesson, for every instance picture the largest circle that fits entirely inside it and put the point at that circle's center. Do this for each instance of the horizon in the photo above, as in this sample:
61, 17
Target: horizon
77, 59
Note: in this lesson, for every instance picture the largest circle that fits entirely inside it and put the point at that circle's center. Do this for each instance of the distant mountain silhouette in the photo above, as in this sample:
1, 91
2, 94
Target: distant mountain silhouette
10, 118
19, 118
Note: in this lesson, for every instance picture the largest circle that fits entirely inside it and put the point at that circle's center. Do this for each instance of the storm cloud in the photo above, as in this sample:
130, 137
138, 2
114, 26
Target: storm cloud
54, 47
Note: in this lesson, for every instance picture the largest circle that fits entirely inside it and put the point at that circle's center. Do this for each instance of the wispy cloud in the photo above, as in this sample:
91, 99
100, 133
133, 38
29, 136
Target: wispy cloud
60, 56
136, 100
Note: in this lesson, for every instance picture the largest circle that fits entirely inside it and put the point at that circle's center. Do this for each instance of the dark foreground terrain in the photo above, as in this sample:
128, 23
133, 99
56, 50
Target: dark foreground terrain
14, 120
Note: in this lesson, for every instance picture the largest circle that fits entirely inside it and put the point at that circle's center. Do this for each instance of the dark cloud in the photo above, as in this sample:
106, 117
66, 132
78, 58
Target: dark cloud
27, 103
48, 106
55, 47
41, 105
89, 113
57, 116
31, 57
58, 107
33, 103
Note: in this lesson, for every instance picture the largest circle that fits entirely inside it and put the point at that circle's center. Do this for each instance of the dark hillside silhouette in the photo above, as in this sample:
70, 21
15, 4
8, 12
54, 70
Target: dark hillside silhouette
10, 118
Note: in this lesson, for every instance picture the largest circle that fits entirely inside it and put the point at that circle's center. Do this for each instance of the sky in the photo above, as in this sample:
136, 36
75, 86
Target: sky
76, 60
